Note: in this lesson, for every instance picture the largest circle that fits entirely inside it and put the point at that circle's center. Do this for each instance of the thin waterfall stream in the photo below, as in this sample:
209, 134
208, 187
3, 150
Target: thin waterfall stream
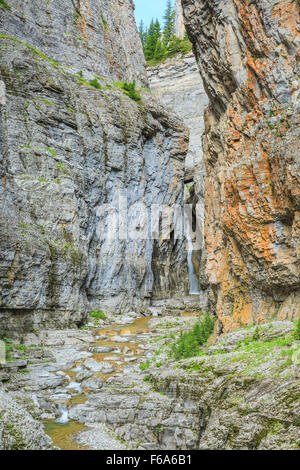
194, 286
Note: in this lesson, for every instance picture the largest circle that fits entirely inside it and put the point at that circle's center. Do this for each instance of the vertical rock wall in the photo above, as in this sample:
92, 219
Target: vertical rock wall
67, 148
179, 28
176, 84
248, 54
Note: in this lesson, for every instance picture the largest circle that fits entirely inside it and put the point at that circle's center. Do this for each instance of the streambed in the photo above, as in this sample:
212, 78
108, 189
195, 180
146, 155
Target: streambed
121, 345
113, 364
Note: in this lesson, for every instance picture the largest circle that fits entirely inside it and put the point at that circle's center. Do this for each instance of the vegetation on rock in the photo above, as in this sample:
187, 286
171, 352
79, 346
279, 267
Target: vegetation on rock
131, 91
188, 344
161, 43
3, 4
297, 331
98, 315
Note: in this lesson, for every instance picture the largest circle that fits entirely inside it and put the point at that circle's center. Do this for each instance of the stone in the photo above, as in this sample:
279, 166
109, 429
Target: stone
179, 28
126, 320
92, 384
18, 429
103, 349
101, 337
119, 339
84, 374
247, 57
70, 148
21, 364
93, 365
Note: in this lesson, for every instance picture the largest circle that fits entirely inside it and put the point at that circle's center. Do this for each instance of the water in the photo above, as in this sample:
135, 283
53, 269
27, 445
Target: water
194, 286
64, 418
74, 386
64, 430
63, 434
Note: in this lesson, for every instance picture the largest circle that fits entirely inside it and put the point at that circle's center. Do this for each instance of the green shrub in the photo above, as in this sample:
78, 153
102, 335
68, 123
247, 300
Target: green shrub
188, 345
3, 4
131, 91
297, 331
8, 347
256, 334
98, 315
145, 365
94, 83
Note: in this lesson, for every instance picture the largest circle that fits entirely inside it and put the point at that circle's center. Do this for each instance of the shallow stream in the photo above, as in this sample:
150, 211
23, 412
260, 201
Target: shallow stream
123, 353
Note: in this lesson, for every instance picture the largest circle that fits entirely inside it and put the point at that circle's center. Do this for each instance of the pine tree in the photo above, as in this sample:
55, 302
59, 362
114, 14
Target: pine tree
152, 38
142, 32
159, 45
160, 50
168, 31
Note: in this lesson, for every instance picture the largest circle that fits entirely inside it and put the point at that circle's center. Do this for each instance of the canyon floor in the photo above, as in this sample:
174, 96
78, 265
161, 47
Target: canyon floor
113, 384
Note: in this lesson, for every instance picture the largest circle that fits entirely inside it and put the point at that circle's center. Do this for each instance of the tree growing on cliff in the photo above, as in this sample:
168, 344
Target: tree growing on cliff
158, 44
153, 36
168, 31
143, 33
160, 50
177, 45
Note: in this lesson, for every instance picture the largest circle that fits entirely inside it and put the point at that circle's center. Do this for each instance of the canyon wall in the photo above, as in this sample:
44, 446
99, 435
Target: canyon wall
71, 141
247, 52
179, 28
177, 85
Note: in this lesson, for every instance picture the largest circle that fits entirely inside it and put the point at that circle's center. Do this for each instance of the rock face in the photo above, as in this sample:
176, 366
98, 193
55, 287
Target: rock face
66, 149
242, 392
176, 84
18, 429
247, 53
99, 36
235, 398
179, 28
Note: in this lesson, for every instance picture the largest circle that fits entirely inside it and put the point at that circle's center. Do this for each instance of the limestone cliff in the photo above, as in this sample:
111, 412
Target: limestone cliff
247, 52
71, 141
179, 28
177, 85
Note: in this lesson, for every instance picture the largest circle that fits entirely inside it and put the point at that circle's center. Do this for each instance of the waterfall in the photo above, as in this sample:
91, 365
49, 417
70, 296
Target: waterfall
194, 286
64, 418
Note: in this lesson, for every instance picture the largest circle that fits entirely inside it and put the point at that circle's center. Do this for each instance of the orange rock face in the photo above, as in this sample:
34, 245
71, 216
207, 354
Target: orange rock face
248, 55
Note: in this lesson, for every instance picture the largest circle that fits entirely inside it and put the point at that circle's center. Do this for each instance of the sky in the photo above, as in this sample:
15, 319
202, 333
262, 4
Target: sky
147, 9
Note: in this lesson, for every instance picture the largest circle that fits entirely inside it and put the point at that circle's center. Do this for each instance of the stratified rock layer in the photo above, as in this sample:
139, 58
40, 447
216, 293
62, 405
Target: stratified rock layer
67, 148
179, 28
247, 52
177, 85
18, 429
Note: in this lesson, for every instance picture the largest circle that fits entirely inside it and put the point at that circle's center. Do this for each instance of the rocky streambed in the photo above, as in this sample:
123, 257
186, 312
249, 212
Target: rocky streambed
114, 385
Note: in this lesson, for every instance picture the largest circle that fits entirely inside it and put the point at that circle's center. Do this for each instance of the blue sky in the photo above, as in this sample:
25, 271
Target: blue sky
147, 9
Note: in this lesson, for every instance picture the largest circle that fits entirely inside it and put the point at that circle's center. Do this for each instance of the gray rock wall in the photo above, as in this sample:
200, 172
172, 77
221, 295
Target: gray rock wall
248, 58
179, 28
66, 149
95, 35
177, 84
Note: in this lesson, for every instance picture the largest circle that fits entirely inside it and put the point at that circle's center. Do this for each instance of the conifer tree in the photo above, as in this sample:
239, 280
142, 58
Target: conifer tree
160, 50
152, 38
169, 15
159, 45
142, 32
